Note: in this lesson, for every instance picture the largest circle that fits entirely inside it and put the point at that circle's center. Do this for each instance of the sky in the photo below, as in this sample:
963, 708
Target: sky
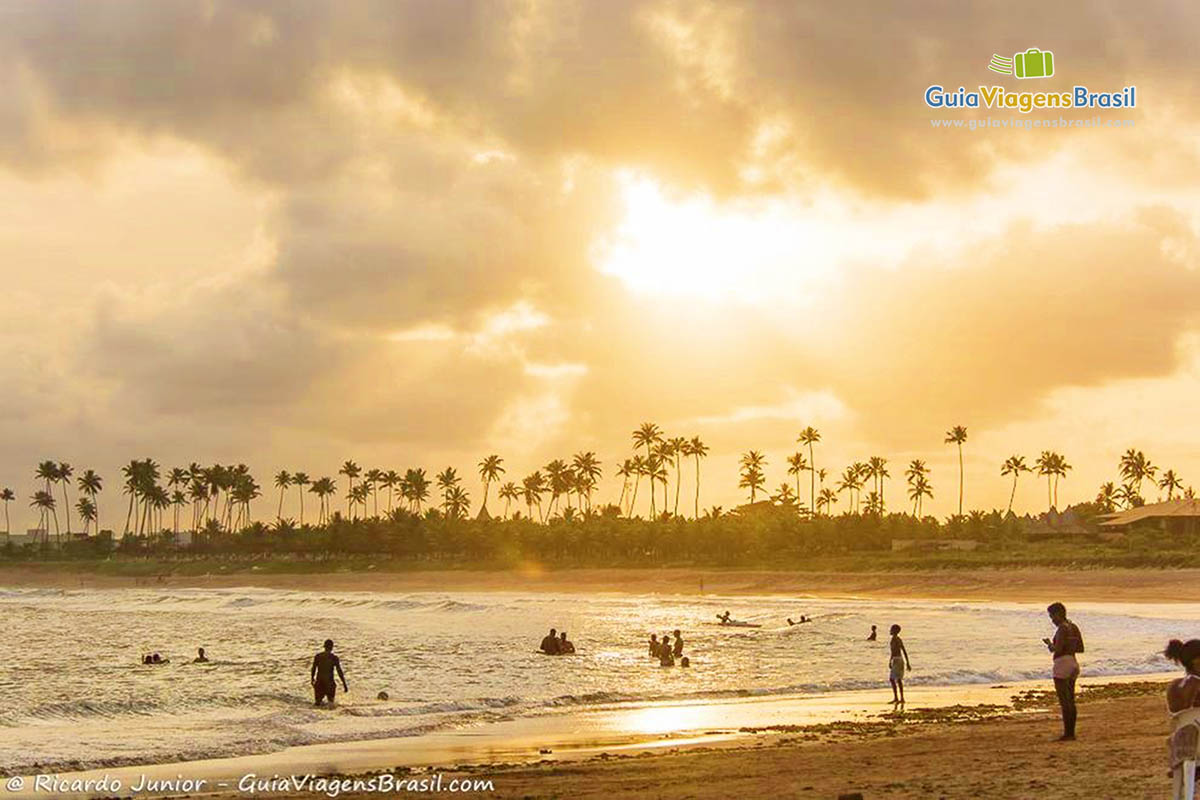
412, 234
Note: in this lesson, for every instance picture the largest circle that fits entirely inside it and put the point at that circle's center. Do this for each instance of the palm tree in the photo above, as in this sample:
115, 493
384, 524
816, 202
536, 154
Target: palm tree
7, 496
63, 476
646, 436
447, 479
656, 471
677, 447
1128, 496
851, 482
752, 477
639, 469
587, 474
1170, 481
809, 436
1135, 468
283, 479
826, 499
919, 489
796, 465
958, 435
324, 488
1060, 471
43, 501
1106, 498
90, 484
302, 480
784, 495
532, 487
1014, 466
665, 456
556, 482
878, 471
624, 471
178, 500
490, 469
699, 450
373, 480
415, 488
457, 502
1053, 466
509, 492
351, 471
87, 512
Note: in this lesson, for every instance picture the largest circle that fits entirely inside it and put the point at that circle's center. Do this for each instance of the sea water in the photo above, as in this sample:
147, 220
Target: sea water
74, 695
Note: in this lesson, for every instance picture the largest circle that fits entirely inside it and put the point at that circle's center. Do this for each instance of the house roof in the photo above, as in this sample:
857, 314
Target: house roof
1170, 508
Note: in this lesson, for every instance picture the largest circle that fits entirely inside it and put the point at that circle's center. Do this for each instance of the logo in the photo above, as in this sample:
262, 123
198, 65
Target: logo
1033, 63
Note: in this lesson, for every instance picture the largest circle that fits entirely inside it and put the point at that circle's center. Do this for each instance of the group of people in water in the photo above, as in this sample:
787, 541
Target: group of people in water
156, 658
669, 652
557, 644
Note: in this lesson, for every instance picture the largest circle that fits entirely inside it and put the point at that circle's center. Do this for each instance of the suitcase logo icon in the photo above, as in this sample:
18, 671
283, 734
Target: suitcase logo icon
1033, 63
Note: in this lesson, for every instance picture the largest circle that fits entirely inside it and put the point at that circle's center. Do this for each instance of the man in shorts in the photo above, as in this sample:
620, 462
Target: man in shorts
324, 665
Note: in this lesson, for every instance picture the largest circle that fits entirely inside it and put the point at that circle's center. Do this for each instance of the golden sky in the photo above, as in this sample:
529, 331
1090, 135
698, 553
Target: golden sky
411, 234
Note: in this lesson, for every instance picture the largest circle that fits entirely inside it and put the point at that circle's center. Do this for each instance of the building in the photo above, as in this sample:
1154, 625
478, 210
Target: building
1180, 517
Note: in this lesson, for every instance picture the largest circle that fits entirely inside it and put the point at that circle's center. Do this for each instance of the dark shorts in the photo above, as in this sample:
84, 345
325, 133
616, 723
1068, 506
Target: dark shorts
324, 689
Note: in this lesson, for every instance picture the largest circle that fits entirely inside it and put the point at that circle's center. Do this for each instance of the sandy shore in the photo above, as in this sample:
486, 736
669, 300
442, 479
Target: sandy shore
995, 742
1016, 585
1119, 756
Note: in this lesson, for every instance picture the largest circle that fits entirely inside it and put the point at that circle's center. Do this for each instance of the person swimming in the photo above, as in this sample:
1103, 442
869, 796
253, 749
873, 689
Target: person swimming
565, 647
685, 662
725, 618
549, 644
200, 657
324, 665
873, 635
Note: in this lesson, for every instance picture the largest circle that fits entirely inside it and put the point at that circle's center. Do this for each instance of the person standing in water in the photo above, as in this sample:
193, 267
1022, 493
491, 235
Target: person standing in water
324, 665
1067, 642
654, 645
550, 643
873, 635
565, 647
897, 664
677, 650
200, 657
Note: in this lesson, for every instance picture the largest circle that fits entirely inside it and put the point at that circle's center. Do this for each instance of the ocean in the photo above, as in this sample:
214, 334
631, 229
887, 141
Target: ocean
75, 695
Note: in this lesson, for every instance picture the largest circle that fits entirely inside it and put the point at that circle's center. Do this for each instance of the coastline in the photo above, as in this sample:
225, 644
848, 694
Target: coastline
1003, 584
953, 742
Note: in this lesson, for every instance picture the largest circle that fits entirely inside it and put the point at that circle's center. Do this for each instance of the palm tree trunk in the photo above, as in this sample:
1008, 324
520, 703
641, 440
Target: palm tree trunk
812, 481
678, 483
960, 479
697, 509
648, 457
633, 501
1013, 495
67, 506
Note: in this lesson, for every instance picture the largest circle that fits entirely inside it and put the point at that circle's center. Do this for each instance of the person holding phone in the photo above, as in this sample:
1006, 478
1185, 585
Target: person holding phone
1065, 645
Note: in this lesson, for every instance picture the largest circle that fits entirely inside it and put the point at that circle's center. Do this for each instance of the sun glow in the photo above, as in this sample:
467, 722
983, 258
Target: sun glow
749, 251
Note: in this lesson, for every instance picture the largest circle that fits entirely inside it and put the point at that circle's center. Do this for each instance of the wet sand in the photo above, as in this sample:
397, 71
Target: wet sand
959, 742
1013, 585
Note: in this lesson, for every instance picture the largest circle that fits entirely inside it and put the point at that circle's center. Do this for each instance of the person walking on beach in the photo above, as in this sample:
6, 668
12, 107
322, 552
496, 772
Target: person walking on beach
324, 665
897, 664
1067, 642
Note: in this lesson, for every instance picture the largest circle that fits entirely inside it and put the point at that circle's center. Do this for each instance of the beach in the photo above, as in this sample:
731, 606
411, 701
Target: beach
1015, 585
986, 750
